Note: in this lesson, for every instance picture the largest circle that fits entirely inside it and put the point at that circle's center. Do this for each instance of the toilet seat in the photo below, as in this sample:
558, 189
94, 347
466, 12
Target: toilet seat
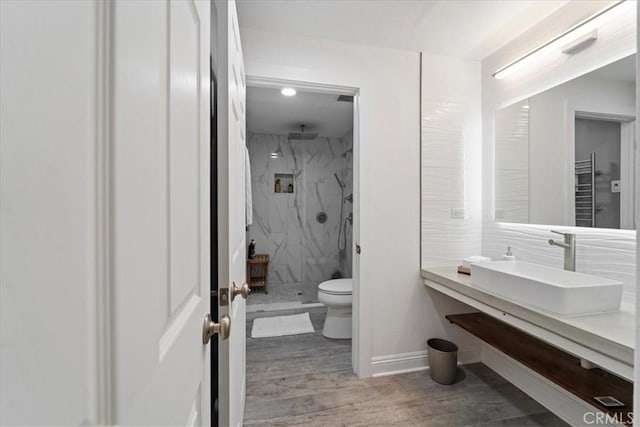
337, 287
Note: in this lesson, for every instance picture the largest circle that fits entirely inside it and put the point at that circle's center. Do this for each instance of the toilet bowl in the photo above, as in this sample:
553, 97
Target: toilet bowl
336, 294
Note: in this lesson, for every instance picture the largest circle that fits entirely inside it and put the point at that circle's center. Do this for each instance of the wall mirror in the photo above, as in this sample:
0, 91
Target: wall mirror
565, 156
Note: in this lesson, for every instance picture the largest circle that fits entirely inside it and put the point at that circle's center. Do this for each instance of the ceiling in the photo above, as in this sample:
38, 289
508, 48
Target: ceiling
470, 29
268, 111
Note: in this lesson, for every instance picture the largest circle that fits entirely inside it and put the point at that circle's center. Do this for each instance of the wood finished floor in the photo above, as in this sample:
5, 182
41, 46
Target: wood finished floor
307, 380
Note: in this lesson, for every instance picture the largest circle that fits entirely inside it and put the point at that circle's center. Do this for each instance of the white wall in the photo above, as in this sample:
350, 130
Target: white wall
400, 313
451, 160
607, 253
450, 180
50, 217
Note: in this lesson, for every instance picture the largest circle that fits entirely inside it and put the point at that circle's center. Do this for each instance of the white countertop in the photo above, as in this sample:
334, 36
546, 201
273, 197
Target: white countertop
609, 333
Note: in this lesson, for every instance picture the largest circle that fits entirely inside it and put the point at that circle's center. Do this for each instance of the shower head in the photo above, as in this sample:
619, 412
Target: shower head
302, 135
339, 182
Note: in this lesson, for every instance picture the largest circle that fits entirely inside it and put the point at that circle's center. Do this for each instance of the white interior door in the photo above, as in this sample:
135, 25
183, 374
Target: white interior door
231, 212
160, 208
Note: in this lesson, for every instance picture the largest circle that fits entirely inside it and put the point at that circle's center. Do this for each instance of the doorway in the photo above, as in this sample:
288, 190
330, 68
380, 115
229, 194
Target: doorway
339, 179
301, 160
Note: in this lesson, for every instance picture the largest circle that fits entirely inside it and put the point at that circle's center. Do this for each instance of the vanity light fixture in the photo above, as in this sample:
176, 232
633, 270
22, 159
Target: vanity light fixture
587, 34
580, 43
288, 91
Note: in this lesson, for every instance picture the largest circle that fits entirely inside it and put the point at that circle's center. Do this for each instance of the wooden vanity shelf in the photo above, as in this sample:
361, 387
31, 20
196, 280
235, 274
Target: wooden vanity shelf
557, 366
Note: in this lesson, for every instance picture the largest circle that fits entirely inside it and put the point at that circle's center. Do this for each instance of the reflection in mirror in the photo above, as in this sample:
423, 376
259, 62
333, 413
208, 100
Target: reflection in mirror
512, 163
564, 156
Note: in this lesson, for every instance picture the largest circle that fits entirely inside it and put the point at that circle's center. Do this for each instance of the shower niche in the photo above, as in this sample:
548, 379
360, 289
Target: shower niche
283, 183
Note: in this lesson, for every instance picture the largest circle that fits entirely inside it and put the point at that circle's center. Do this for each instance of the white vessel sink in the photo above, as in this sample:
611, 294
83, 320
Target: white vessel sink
551, 289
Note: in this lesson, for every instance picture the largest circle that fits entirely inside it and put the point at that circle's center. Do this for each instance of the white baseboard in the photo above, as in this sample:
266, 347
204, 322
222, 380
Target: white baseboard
565, 405
402, 363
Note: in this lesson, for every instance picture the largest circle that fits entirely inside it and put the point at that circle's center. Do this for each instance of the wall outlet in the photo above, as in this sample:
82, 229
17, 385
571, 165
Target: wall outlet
457, 213
615, 186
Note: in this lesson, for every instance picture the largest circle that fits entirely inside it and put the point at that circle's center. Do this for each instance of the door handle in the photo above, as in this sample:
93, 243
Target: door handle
243, 290
210, 328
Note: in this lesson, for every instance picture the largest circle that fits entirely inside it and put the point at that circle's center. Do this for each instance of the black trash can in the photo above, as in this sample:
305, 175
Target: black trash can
443, 360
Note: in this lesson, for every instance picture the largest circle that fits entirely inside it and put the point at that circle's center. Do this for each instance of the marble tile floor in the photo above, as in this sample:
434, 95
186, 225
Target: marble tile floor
306, 380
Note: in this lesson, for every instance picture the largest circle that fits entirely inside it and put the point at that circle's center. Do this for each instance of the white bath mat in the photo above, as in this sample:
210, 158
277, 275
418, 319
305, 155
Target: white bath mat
282, 325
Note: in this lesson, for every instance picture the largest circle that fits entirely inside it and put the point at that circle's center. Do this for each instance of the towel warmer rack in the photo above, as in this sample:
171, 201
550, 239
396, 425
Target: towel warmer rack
586, 191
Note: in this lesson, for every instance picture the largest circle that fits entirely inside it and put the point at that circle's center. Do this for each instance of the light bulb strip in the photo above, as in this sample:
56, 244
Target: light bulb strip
571, 29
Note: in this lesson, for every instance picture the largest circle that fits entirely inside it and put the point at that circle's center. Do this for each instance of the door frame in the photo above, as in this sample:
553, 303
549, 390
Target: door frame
361, 329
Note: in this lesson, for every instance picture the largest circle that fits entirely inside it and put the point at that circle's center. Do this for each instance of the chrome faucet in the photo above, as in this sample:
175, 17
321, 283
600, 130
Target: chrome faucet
569, 246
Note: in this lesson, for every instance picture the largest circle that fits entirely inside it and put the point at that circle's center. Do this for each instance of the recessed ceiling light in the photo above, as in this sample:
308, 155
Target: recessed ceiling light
288, 91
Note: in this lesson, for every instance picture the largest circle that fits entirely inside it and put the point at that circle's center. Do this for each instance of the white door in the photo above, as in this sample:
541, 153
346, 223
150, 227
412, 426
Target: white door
231, 212
104, 214
160, 207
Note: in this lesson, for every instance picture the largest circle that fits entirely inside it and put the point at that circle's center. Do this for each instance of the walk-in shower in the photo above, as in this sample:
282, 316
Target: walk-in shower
302, 204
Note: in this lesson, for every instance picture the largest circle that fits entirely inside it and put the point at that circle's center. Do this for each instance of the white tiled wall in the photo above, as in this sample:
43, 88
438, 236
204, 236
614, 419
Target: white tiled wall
451, 162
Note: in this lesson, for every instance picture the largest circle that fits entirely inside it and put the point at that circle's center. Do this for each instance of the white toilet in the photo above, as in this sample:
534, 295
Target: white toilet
336, 295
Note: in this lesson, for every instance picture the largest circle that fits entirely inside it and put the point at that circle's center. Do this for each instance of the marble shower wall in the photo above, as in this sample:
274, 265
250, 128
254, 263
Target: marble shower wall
301, 249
